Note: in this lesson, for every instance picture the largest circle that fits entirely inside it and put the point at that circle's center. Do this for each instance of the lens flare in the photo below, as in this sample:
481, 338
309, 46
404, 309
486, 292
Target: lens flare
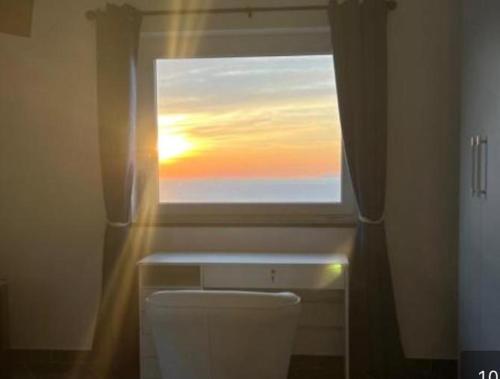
172, 146
172, 142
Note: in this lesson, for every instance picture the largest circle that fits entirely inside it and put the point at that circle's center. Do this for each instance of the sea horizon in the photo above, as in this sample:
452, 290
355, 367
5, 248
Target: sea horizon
325, 189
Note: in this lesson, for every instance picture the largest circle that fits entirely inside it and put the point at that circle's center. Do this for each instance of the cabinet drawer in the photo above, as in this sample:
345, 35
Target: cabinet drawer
170, 276
322, 315
319, 341
150, 369
148, 349
273, 276
146, 328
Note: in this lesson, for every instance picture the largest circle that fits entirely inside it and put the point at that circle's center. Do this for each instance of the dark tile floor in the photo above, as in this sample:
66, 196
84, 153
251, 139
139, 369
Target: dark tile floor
316, 367
52, 371
302, 367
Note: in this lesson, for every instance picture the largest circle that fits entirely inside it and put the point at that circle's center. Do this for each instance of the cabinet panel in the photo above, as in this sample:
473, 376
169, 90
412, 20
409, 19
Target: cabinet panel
170, 276
319, 341
470, 206
150, 369
322, 314
479, 265
321, 328
490, 236
273, 276
148, 349
470, 255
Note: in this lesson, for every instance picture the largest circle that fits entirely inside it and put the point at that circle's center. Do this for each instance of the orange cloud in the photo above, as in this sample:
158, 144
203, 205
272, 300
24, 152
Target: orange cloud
248, 117
255, 163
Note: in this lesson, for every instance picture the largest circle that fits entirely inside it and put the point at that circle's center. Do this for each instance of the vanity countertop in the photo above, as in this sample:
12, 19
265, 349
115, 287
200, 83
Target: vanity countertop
256, 258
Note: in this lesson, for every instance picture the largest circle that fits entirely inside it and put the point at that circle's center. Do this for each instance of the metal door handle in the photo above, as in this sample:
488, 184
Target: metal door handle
482, 158
473, 147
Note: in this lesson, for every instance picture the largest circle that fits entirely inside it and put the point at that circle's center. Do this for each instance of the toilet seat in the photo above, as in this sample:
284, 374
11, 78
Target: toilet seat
223, 334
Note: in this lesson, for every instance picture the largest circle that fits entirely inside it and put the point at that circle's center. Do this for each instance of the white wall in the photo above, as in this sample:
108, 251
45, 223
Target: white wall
50, 193
50, 204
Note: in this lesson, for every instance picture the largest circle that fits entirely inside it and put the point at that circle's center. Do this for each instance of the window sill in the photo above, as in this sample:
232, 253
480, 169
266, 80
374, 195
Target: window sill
336, 221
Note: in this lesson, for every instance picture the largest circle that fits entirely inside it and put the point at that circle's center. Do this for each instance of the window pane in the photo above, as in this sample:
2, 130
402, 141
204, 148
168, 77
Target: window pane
248, 130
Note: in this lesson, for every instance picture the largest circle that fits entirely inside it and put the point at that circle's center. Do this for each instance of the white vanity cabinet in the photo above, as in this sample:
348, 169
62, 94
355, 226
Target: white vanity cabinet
319, 279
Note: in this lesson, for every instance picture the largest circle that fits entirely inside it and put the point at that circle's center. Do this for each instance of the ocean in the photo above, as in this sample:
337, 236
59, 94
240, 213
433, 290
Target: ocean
237, 190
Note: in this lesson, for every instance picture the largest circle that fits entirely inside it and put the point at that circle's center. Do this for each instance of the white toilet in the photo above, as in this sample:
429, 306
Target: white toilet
223, 334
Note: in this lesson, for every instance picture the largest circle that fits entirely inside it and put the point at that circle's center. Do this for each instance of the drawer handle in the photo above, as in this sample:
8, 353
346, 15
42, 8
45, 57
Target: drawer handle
273, 275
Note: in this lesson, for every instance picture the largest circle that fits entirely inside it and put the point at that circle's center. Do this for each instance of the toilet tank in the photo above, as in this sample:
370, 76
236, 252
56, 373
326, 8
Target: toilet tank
223, 334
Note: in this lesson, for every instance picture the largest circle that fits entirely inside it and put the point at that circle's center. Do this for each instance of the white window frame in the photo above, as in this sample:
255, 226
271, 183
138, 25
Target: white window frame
226, 43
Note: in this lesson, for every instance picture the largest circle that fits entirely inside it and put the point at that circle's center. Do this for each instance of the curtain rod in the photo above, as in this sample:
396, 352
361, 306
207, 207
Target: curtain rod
91, 14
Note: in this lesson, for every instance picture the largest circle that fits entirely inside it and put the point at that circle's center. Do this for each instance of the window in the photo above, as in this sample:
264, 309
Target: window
248, 130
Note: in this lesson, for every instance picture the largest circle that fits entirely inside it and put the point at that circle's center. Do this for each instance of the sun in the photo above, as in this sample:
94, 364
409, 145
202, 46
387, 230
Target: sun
172, 146
174, 141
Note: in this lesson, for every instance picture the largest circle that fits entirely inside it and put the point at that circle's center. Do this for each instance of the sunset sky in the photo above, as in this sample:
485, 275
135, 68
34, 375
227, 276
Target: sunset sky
263, 117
